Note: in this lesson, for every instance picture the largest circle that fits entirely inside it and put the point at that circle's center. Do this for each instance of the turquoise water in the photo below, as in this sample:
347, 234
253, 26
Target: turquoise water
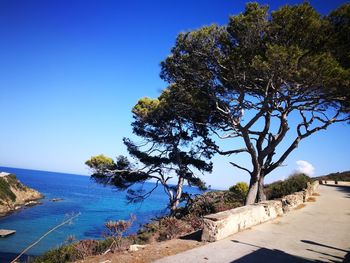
96, 203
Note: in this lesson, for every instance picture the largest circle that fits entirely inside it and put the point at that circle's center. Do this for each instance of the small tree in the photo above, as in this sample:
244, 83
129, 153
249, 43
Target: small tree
255, 79
169, 148
116, 230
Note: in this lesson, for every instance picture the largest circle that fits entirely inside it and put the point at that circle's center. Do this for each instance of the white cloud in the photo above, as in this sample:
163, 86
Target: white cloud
305, 167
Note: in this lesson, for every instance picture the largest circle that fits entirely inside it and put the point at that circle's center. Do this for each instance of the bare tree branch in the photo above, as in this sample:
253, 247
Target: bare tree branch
240, 167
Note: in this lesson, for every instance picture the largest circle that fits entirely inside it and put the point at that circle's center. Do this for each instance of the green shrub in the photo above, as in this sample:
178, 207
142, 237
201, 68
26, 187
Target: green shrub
214, 202
6, 193
204, 205
74, 252
293, 183
5, 190
194, 221
146, 233
102, 246
240, 189
171, 227
59, 255
143, 238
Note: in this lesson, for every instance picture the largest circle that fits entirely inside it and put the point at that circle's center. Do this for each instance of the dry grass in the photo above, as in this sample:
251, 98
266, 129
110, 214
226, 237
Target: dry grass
311, 199
147, 254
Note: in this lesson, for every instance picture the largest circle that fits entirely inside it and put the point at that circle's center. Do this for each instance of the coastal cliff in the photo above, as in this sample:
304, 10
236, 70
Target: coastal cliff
15, 195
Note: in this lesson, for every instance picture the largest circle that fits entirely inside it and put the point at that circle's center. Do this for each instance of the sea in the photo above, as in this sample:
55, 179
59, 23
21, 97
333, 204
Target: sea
94, 204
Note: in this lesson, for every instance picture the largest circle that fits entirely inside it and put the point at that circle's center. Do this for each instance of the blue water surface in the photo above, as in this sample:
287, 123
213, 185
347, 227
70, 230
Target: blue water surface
95, 203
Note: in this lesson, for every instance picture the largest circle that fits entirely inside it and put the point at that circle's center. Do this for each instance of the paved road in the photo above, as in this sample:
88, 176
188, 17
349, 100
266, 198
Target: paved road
319, 232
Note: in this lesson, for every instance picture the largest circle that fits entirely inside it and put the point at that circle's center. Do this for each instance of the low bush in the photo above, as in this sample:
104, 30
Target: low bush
116, 231
115, 241
60, 255
76, 251
194, 221
85, 248
203, 205
214, 202
147, 233
240, 190
294, 183
166, 228
171, 227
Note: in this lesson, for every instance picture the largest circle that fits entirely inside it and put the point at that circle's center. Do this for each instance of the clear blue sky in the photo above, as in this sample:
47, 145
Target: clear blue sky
70, 72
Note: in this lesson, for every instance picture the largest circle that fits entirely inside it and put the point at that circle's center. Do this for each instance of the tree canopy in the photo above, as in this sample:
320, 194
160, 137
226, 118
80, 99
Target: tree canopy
169, 148
247, 79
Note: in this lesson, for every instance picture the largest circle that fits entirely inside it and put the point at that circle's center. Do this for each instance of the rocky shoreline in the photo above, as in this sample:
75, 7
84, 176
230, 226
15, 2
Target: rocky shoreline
15, 196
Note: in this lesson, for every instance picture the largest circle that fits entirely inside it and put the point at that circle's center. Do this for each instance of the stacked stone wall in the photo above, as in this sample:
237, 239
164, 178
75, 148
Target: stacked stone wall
221, 225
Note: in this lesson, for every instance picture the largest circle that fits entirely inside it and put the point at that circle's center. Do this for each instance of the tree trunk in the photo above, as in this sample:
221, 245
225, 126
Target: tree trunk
176, 201
253, 190
261, 193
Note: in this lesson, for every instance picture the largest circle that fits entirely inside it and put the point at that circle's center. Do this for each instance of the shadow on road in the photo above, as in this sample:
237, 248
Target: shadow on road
322, 245
340, 188
347, 256
276, 256
269, 255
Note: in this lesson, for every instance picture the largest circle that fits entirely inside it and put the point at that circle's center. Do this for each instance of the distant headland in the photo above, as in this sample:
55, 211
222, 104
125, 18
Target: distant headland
14, 195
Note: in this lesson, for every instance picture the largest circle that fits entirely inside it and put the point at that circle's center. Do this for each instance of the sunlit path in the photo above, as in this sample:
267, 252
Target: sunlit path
318, 232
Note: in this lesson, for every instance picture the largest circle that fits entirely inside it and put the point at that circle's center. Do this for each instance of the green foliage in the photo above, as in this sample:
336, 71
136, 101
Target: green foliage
143, 237
171, 227
5, 189
204, 205
294, 183
240, 189
100, 163
59, 255
147, 233
171, 149
340, 30
213, 202
74, 252
145, 107
103, 246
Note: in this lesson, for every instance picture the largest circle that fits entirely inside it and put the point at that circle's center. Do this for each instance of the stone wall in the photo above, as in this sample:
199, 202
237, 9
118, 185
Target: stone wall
221, 225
